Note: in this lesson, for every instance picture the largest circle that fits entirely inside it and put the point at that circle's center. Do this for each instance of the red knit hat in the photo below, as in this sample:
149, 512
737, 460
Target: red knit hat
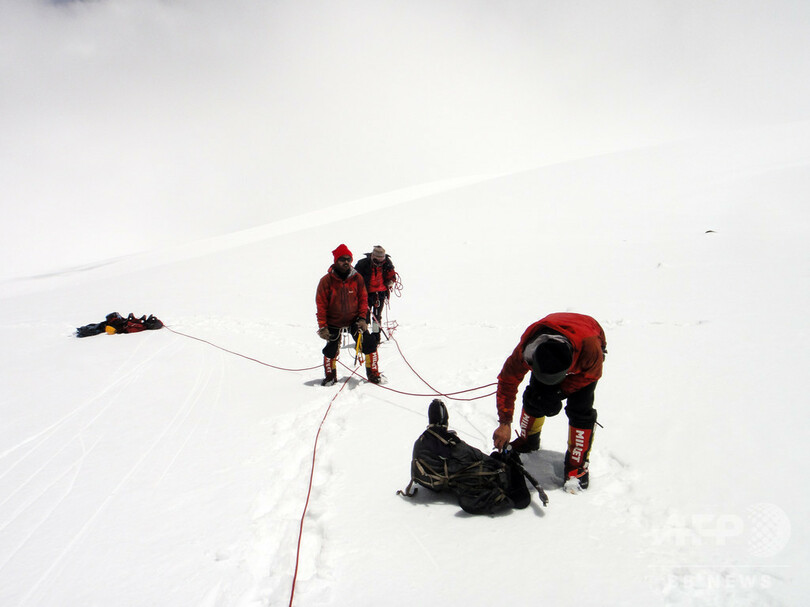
341, 251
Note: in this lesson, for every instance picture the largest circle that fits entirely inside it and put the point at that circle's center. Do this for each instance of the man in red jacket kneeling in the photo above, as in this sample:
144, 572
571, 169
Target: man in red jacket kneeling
564, 352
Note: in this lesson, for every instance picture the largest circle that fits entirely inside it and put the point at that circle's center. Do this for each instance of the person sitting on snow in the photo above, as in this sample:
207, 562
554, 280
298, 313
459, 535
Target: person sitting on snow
564, 352
379, 275
342, 302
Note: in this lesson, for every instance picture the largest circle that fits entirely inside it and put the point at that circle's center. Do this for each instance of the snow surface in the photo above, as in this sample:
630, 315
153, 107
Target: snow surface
155, 469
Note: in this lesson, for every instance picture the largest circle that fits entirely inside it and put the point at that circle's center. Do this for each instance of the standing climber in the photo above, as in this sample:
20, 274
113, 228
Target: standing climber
379, 275
564, 352
342, 303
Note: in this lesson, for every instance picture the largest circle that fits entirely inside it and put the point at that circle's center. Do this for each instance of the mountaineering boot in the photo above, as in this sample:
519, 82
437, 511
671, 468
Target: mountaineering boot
529, 438
329, 366
372, 372
526, 444
576, 459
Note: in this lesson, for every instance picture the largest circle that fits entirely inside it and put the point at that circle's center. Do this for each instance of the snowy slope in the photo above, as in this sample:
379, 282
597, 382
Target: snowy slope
155, 469
644, 163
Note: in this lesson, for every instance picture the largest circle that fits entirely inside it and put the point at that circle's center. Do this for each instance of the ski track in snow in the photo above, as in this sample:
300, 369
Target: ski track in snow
203, 380
55, 478
42, 442
75, 467
123, 375
130, 376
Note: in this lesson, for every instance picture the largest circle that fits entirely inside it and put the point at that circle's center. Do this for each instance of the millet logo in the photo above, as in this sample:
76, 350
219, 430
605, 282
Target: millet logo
579, 445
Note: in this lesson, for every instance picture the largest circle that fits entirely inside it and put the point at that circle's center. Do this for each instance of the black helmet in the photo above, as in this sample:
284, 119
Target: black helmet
437, 413
550, 357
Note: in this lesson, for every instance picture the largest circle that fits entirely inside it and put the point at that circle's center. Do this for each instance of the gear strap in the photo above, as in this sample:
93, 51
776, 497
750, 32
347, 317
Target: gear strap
439, 480
532, 480
408, 492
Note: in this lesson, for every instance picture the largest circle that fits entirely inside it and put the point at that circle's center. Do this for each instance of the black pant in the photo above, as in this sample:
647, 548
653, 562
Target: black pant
332, 346
376, 302
542, 400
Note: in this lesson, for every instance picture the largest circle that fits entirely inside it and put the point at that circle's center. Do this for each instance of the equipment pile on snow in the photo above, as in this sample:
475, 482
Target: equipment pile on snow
115, 323
483, 484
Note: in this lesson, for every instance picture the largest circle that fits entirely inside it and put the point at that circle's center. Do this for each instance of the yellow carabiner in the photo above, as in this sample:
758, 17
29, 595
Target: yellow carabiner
358, 348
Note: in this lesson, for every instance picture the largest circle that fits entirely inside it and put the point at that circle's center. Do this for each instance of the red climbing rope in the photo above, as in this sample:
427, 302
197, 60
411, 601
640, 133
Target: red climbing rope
255, 360
449, 395
309, 489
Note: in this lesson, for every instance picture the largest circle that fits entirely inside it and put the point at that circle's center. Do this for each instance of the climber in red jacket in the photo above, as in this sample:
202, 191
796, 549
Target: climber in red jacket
377, 270
564, 352
342, 302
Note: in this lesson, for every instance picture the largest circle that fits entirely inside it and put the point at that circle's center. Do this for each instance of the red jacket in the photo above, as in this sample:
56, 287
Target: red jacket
588, 341
377, 276
340, 302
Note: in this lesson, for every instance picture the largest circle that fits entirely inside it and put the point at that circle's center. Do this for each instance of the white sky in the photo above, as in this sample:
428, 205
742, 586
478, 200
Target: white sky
141, 122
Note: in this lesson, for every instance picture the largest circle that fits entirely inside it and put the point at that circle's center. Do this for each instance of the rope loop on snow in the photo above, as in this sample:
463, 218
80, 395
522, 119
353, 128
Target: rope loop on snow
448, 395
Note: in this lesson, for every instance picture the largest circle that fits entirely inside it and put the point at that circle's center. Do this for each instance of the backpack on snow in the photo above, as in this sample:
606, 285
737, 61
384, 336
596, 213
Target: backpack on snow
483, 484
115, 323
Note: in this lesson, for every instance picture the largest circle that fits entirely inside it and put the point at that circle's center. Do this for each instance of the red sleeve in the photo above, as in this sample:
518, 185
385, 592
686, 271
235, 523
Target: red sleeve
322, 300
509, 379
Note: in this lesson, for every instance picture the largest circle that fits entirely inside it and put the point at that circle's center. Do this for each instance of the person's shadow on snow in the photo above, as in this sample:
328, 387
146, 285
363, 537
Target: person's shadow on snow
546, 467
353, 383
426, 498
